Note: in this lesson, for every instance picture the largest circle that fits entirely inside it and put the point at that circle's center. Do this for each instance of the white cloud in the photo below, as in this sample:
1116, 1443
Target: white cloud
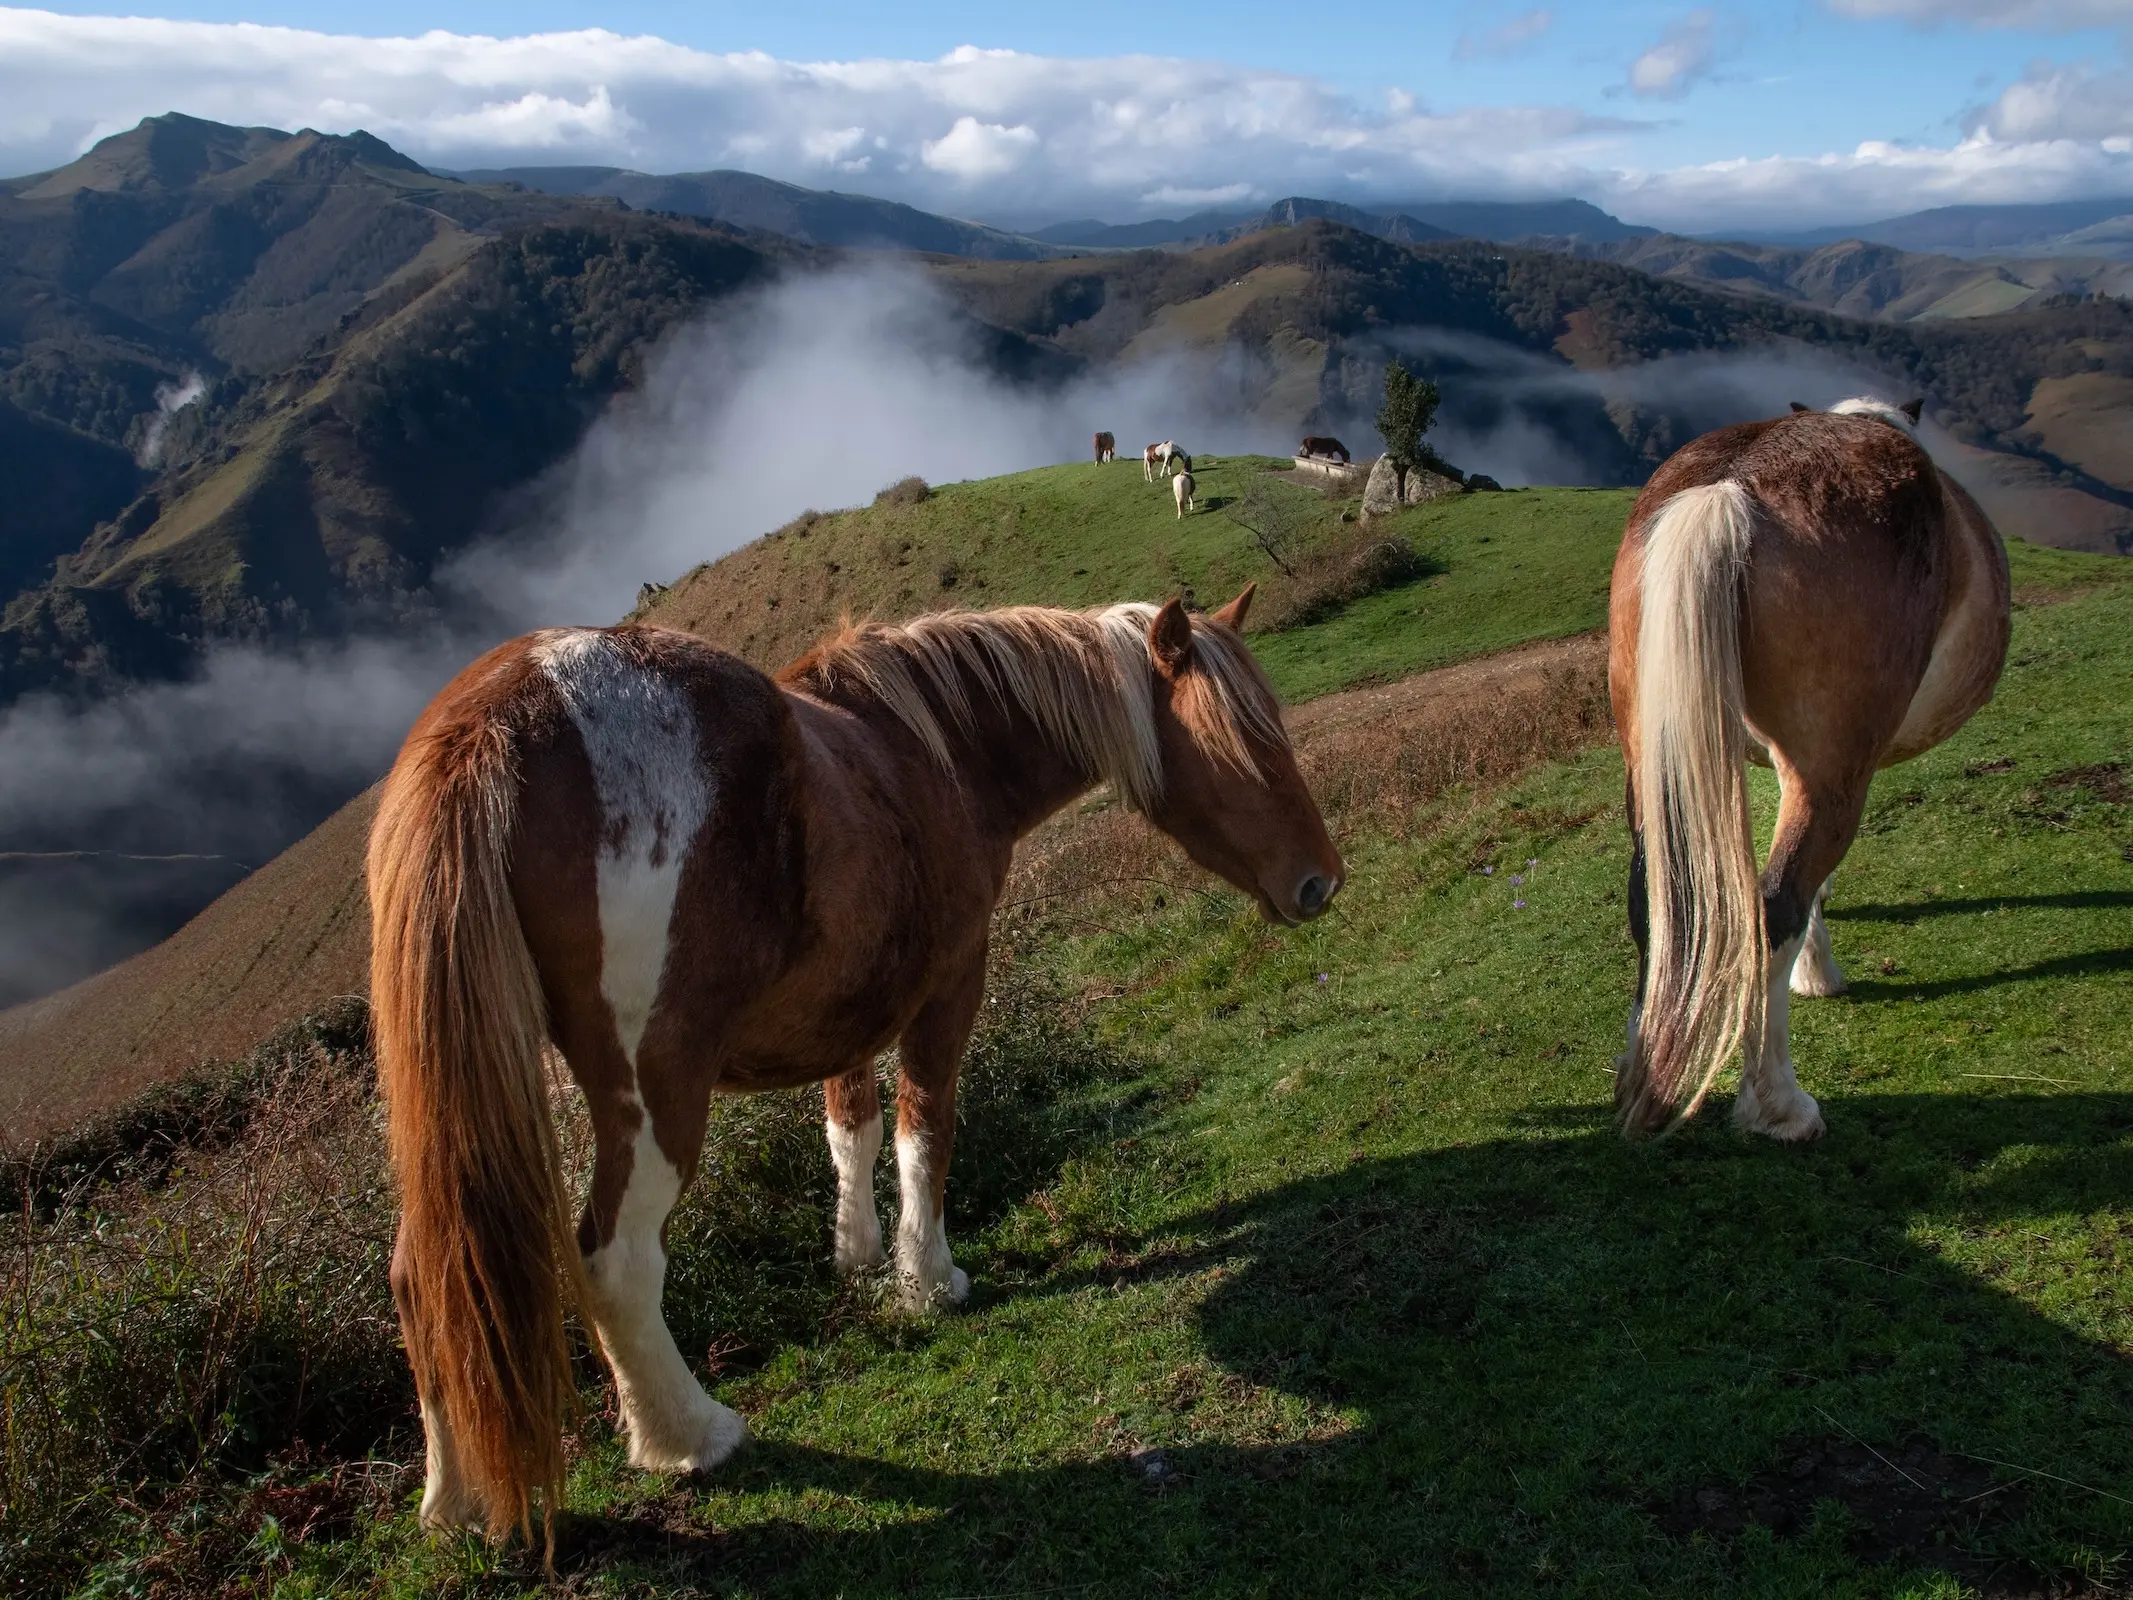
1003, 134
975, 150
2062, 103
1682, 55
2042, 16
1506, 38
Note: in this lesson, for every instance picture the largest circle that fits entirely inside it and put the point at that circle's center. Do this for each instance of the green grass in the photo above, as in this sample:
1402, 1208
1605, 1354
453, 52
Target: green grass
1335, 1221
1512, 567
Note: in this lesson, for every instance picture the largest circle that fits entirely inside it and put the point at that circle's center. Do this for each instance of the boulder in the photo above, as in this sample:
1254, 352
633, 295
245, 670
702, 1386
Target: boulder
1381, 495
1422, 487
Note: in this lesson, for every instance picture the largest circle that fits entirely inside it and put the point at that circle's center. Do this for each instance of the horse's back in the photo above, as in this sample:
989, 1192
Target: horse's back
1856, 561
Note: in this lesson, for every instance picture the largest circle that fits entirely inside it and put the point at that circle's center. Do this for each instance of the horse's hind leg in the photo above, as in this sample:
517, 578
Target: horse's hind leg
1816, 973
447, 1500
1814, 829
673, 1426
852, 1116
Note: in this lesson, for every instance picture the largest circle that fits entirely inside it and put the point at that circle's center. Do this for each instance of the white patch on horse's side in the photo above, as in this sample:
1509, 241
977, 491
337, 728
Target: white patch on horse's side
853, 1152
639, 731
673, 1426
928, 1272
1771, 1099
1816, 974
1880, 410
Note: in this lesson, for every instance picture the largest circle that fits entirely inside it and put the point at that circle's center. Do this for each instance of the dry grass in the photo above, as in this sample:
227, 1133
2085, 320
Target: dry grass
1371, 756
1338, 569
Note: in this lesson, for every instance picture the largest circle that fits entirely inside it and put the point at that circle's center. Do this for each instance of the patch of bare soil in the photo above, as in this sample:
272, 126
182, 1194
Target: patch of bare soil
1910, 1504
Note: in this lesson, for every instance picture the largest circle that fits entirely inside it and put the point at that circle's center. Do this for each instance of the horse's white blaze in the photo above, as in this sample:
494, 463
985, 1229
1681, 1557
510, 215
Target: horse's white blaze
853, 1152
1771, 1099
1816, 973
639, 732
928, 1271
673, 1425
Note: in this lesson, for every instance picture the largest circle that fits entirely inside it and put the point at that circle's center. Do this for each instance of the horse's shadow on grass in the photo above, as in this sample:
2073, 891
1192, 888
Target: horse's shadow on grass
1705, 1365
2087, 964
1914, 911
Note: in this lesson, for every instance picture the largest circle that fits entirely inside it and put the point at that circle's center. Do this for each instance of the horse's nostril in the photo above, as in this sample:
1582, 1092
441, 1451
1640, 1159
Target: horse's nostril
1311, 898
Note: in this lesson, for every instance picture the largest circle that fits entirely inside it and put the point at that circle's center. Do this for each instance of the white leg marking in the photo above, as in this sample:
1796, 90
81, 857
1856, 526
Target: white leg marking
853, 1151
1816, 974
1771, 1099
447, 1504
673, 1425
928, 1274
639, 732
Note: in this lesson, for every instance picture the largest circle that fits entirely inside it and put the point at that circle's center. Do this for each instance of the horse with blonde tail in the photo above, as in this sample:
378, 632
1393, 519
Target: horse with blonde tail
1811, 592
693, 879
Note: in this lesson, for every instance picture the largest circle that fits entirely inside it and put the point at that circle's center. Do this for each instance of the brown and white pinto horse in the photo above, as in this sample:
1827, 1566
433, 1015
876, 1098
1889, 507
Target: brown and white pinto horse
695, 879
1814, 592
1106, 448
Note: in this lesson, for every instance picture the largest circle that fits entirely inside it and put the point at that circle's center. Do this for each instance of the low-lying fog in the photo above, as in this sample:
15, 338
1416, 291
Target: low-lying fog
815, 393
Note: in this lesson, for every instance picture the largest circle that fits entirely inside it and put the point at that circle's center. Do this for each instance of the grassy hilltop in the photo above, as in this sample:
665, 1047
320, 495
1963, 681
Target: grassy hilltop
1304, 1262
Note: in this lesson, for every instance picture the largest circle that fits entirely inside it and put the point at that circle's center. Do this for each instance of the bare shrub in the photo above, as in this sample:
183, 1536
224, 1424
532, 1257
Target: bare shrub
1278, 522
1341, 569
904, 492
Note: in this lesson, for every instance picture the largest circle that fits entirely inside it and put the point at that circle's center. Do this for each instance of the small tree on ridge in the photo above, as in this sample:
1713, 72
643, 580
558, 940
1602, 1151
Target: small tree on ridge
1409, 409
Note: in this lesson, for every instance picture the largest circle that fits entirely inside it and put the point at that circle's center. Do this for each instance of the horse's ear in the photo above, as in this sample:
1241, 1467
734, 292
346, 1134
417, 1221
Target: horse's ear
1233, 614
1170, 636
1798, 407
1914, 408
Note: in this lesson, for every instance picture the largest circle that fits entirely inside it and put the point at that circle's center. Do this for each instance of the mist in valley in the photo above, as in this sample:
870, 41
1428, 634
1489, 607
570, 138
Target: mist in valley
814, 393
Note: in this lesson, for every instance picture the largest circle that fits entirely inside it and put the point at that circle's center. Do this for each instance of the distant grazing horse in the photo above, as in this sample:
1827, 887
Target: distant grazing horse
1813, 588
695, 879
1173, 458
1150, 459
1316, 446
1181, 488
1106, 448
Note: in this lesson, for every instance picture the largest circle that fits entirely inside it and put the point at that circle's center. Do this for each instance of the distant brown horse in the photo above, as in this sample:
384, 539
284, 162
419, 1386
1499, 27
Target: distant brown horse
694, 879
1106, 448
1317, 446
1151, 458
1815, 592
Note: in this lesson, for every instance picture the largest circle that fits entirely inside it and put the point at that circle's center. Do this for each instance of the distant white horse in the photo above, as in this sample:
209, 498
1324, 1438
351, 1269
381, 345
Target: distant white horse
1181, 488
1173, 458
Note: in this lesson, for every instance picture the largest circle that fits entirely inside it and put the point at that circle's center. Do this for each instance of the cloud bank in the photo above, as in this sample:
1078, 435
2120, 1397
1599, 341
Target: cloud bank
999, 132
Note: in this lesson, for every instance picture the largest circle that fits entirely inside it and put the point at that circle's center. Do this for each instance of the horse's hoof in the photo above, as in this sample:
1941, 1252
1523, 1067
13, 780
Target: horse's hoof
1797, 1120
916, 1299
1817, 982
718, 1431
449, 1510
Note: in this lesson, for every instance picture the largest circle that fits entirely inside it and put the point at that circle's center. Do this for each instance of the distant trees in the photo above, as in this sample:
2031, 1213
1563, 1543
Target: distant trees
1410, 408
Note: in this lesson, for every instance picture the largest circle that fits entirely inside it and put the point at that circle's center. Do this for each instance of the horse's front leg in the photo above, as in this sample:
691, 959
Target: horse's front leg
931, 1055
852, 1117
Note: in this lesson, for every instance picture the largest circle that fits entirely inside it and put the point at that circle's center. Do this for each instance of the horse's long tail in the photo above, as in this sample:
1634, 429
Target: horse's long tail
1704, 966
486, 1251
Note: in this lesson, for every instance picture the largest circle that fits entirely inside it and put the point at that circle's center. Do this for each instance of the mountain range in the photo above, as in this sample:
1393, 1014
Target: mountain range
257, 385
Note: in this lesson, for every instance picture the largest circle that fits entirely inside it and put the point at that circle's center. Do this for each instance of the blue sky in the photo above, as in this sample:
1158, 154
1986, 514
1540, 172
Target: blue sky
1835, 109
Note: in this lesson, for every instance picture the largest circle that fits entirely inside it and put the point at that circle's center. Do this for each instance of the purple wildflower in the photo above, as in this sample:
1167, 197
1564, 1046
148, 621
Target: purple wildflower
1518, 905
1517, 878
1488, 872
1323, 976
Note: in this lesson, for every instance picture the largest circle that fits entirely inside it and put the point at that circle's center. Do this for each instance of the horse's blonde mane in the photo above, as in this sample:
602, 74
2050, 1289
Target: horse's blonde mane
1084, 677
1865, 405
